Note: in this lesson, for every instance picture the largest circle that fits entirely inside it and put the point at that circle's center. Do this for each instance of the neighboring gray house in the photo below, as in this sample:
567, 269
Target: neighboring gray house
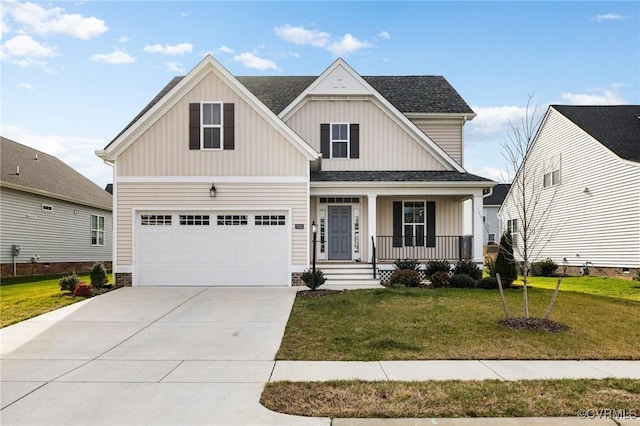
493, 199
60, 220
586, 163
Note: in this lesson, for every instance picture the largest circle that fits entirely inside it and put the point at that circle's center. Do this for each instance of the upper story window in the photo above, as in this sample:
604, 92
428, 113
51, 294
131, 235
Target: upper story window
339, 140
97, 230
211, 136
552, 171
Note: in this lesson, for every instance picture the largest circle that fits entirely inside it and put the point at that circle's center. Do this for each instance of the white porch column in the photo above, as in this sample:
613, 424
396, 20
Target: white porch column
478, 229
371, 222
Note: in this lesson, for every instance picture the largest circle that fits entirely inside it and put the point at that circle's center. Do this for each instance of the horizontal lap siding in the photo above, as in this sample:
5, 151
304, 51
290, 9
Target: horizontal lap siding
186, 196
384, 145
260, 150
602, 226
446, 133
60, 235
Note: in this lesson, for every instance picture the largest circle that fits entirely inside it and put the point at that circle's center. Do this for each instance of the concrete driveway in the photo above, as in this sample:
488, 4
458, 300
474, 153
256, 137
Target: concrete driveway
147, 356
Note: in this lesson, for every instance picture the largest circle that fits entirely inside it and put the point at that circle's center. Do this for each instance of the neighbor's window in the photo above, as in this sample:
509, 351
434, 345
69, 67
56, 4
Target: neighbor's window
97, 230
211, 136
491, 239
414, 221
339, 140
512, 228
552, 171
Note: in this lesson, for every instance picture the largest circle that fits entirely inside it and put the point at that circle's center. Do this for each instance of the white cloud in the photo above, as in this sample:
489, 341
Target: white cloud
498, 175
183, 14
494, 121
347, 45
302, 36
605, 97
249, 60
25, 46
225, 49
39, 20
123, 39
26, 86
174, 67
384, 35
167, 49
118, 56
76, 151
608, 17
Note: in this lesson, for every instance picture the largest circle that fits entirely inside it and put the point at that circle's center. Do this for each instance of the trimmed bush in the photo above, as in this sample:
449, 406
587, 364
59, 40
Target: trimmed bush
404, 277
69, 282
434, 266
411, 264
98, 276
489, 283
637, 277
462, 281
544, 268
469, 268
440, 279
505, 262
319, 278
82, 290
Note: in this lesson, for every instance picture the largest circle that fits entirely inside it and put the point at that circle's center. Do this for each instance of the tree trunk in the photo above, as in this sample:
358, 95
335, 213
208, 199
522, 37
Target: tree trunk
504, 302
525, 295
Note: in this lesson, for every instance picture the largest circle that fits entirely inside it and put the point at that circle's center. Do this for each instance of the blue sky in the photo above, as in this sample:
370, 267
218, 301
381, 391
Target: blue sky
73, 74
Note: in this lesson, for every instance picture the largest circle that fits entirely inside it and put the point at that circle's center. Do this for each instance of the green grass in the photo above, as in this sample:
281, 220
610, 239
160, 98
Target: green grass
406, 324
22, 298
487, 398
609, 287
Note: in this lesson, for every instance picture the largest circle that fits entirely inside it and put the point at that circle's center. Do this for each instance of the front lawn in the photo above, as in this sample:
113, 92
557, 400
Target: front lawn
447, 323
26, 297
609, 287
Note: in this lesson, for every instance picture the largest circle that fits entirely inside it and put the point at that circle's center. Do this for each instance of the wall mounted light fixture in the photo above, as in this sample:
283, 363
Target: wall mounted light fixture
212, 191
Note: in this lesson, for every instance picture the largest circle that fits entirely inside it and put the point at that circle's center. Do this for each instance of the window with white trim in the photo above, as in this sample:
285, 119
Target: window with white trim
97, 230
414, 223
155, 220
194, 219
232, 220
512, 229
551, 171
491, 238
211, 128
269, 220
339, 140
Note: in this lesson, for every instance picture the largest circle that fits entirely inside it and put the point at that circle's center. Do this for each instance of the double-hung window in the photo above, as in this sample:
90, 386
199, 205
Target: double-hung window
512, 229
414, 223
551, 171
339, 140
211, 125
97, 230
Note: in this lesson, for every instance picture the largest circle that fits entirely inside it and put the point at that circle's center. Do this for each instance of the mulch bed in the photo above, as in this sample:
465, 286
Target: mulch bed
317, 293
539, 324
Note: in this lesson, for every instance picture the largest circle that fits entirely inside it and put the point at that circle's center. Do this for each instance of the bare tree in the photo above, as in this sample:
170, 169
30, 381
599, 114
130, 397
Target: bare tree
529, 206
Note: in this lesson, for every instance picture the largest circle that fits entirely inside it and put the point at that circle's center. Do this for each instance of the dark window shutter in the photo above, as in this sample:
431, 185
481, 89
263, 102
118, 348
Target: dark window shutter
325, 143
229, 132
397, 223
194, 126
430, 239
354, 141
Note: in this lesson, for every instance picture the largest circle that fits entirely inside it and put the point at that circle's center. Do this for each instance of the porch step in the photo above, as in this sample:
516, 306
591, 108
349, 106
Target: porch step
351, 284
348, 276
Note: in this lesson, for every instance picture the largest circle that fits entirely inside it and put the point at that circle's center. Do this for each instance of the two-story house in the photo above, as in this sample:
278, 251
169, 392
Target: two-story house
219, 180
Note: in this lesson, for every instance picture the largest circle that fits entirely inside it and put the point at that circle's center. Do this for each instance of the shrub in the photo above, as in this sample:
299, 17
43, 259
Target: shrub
69, 282
490, 267
505, 262
637, 277
469, 268
440, 279
411, 264
489, 283
404, 277
82, 290
317, 282
434, 266
544, 268
98, 276
460, 280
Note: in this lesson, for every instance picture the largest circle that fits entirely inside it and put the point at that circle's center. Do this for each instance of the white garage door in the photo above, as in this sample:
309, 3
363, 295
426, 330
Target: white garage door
212, 248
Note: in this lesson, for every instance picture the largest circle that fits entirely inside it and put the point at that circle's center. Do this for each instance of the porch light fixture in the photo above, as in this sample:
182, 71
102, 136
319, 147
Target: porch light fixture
212, 191
314, 227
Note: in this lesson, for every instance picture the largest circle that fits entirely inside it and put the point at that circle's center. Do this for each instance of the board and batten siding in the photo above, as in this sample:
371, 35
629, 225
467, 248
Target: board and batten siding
230, 197
260, 149
447, 133
384, 145
595, 215
60, 235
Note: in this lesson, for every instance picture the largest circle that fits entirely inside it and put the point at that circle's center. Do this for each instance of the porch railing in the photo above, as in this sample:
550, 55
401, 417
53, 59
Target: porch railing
449, 247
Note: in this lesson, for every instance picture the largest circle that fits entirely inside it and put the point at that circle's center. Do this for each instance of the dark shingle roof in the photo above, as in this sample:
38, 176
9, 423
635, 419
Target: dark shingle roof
498, 195
616, 127
48, 174
395, 176
410, 94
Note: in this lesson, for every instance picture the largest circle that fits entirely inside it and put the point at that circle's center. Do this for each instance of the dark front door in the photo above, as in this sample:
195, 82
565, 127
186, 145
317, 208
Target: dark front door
339, 232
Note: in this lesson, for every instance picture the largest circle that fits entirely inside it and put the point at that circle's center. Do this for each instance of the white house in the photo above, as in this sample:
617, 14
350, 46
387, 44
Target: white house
586, 163
493, 199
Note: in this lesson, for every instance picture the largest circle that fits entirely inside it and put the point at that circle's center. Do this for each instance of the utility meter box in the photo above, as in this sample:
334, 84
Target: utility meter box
15, 250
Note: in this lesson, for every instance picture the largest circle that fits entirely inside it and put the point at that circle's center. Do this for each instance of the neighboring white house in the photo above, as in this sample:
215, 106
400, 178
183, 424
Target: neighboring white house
586, 163
493, 199
59, 219
219, 180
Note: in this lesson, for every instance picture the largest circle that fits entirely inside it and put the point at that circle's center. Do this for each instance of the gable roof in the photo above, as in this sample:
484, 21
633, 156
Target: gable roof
496, 195
616, 127
46, 175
